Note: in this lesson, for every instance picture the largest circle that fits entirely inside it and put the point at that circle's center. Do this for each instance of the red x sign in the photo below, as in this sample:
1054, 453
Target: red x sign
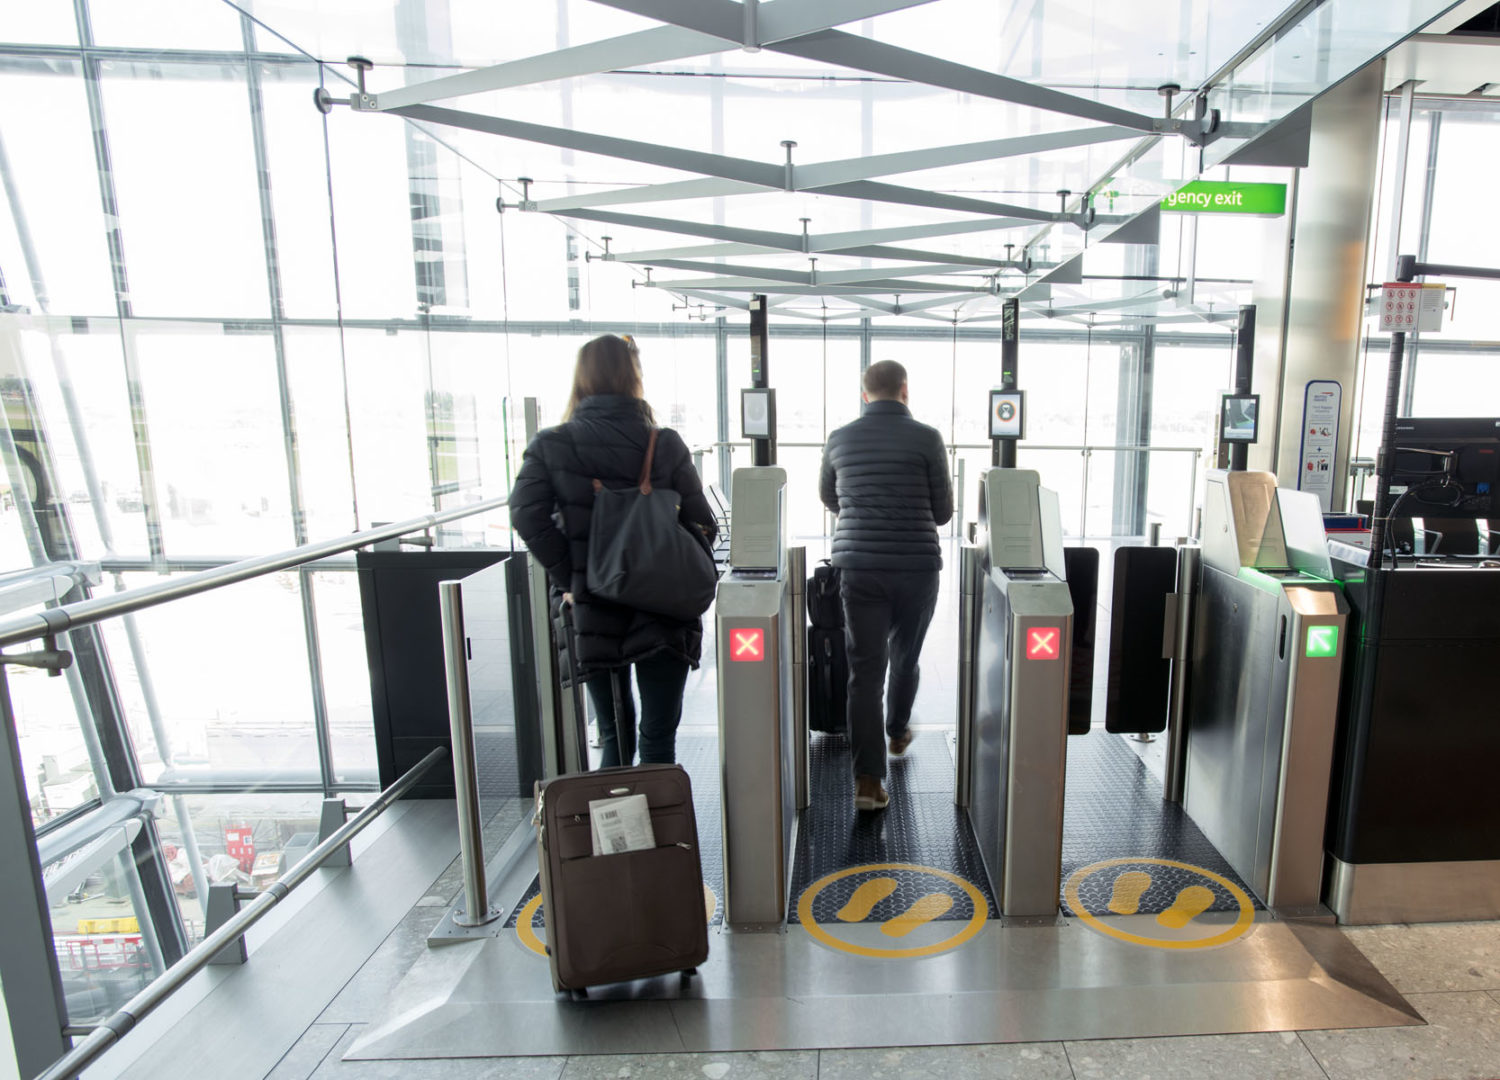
747, 645
1042, 642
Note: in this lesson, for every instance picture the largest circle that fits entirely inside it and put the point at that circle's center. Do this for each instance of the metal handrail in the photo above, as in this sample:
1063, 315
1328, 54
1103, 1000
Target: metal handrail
85, 612
111, 1030
1089, 447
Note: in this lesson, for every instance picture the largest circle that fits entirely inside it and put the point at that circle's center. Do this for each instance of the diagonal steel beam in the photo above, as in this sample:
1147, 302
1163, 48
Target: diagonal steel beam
783, 241
772, 22
823, 173
805, 277
890, 285
839, 241
878, 58
670, 157
871, 191
818, 177
715, 298
654, 46
707, 188
861, 243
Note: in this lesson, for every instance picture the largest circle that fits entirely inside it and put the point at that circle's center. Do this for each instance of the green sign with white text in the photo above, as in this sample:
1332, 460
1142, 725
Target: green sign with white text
1227, 197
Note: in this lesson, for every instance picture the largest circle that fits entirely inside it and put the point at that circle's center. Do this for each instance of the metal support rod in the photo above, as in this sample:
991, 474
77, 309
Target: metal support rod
1010, 363
476, 910
112, 1029
1406, 270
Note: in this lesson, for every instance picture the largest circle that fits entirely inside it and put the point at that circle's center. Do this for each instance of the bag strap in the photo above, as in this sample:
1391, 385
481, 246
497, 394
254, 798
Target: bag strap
645, 481
646, 467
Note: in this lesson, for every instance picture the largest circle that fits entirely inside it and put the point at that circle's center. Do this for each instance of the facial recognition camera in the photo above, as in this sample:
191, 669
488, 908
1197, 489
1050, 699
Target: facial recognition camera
758, 414
1239, 418
1007, 414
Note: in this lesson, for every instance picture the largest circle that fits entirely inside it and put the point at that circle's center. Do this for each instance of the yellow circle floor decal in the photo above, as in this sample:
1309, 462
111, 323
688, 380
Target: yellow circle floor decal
527, 921
919, 915
1178, 926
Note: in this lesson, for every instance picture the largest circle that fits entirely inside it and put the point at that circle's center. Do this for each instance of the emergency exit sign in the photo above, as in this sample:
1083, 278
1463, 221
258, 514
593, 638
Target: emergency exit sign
1322, 641
1227, 197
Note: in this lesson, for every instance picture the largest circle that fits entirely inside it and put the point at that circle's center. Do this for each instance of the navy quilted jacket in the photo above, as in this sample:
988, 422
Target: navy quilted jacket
886, 477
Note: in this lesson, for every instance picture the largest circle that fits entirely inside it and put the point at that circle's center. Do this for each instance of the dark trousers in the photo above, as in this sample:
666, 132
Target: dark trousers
661, 680
886, 615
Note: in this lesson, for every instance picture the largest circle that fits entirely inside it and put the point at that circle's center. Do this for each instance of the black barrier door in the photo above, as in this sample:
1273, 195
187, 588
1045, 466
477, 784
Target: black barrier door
1140, 671
1082, 566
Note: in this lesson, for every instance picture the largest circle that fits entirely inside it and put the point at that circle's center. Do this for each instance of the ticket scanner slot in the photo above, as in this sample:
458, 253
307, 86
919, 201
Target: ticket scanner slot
1269, 634
1015, 665
759, 615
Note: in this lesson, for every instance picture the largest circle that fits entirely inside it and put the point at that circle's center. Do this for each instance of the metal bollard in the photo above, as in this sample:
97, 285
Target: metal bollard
476, 910
1155, 534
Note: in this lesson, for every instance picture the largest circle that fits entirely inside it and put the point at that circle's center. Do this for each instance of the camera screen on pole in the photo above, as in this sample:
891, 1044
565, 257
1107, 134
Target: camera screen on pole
1239, 418
1007, 414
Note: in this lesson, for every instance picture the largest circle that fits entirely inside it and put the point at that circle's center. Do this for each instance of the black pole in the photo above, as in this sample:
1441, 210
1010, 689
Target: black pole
1244, 370
1003, 451
762, 451
1406, 267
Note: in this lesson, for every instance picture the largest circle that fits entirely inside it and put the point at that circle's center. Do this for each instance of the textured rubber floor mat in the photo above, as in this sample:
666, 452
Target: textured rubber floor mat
1114, 811
921, 827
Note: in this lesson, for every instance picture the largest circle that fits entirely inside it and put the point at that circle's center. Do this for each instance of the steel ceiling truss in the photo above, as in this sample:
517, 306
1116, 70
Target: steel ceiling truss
808, 30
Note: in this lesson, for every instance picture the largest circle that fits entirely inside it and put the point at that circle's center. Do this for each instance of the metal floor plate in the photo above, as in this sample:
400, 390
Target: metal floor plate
773, 991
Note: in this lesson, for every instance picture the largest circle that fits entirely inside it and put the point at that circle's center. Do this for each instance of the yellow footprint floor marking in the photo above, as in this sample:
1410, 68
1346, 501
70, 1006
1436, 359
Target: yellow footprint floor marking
1190, 903
1125, 898
859, 906
932, 906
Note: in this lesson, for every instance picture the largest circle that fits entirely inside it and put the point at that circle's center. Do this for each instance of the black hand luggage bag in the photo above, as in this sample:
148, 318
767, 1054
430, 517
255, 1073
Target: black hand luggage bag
827, 661
630, 915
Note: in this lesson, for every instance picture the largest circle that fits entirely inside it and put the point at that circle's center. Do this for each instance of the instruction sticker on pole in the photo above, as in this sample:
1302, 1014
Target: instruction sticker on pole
1409, 306
1321, 403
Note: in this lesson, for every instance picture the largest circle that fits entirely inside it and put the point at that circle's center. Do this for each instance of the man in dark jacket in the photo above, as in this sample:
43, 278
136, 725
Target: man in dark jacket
886, 477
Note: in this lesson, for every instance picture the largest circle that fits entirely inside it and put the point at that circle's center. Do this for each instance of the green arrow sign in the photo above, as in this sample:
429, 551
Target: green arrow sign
1226, 197
1322, 641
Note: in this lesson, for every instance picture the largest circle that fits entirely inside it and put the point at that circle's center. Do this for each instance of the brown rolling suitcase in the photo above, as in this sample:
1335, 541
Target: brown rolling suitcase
620, 916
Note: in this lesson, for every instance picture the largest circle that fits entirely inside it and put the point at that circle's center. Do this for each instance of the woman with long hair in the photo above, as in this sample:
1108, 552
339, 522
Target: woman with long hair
603, 436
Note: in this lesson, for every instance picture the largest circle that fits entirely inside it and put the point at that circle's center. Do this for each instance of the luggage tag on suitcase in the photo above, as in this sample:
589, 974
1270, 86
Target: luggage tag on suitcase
621, 824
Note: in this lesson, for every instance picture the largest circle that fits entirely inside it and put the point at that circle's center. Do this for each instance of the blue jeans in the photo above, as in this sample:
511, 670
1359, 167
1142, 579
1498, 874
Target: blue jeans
661, 680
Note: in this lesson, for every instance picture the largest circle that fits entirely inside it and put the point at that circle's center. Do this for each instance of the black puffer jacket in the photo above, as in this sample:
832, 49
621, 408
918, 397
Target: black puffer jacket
553, 502
886, 476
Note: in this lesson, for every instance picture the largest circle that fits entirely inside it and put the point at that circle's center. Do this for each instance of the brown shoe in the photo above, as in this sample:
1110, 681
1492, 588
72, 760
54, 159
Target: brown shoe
869, 795
899, 743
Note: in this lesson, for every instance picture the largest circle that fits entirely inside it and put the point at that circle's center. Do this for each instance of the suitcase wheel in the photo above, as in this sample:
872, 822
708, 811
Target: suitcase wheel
579, 994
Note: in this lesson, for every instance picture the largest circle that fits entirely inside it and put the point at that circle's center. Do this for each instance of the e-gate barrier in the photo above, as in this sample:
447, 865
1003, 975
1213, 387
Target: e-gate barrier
1015, 641
759, 618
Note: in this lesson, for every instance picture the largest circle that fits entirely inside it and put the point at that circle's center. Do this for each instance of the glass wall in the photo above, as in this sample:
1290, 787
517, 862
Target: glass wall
1454, 371
230, 324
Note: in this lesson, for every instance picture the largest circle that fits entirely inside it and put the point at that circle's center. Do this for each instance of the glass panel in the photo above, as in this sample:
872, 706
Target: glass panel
166, 24
372, 213
220, 460
249, 840
1185, 389
1456, 384
59, 773
1172, 491
42, 22
387, 401
315, 375
295, 157
88, 363
211, 656
1063, 472
346, 675
99, 938
192, 230
44, 120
